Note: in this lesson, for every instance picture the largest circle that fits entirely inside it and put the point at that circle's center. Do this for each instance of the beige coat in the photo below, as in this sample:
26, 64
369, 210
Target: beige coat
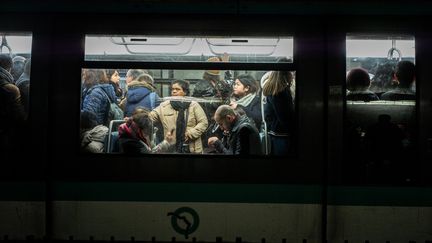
196, 122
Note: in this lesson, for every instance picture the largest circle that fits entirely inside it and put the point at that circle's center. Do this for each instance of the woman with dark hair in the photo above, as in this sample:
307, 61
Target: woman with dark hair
279, 111
245, 97
114, 80
187, 118
98, 94
135, 136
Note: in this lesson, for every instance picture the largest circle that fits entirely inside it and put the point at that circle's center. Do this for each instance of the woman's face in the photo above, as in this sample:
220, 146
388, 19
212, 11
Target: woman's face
239, 89
177, 90
115, 77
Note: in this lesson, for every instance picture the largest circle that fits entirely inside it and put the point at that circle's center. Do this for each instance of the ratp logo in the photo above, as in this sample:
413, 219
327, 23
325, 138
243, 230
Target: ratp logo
184, 221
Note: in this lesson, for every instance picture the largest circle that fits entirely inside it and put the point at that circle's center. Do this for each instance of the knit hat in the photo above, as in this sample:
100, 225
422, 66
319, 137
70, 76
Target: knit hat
213, 72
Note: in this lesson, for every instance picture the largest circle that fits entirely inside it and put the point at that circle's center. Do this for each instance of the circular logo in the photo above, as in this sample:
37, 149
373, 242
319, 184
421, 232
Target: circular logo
190, 220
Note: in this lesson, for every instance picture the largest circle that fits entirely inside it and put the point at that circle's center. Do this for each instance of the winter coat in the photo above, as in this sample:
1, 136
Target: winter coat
93, 141
12, 114
97, 102
196, 122
204, 88
139, 94
253, 111
243, 139
279, 112
12, 109
23, 83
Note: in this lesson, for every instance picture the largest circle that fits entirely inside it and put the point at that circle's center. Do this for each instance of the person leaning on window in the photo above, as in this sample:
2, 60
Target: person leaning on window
279, 111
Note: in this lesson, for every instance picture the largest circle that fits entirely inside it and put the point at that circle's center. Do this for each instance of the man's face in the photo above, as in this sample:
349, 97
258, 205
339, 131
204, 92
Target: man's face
224, 123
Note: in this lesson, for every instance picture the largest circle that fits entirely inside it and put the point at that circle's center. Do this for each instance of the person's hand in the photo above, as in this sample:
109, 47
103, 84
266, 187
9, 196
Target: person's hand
212, 140
233, 104
187, 136
225, 57
170, 137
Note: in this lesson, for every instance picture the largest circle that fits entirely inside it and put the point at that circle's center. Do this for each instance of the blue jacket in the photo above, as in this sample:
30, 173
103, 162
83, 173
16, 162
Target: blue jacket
140, 95
96, 101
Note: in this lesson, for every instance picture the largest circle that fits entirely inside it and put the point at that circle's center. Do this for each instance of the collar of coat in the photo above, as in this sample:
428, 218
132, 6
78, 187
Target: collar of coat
136, 83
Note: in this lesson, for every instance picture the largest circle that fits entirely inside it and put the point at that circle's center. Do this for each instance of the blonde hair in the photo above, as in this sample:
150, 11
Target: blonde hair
277, 82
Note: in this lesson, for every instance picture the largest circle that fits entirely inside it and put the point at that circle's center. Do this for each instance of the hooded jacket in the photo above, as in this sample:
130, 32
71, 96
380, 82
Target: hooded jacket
139, 94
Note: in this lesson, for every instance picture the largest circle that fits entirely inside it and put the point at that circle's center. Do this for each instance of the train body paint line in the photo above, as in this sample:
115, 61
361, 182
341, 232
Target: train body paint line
218, 193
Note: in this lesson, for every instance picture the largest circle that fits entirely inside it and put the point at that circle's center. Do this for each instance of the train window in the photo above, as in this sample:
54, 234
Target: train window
187, 49
15, 54
380, 108
206, 105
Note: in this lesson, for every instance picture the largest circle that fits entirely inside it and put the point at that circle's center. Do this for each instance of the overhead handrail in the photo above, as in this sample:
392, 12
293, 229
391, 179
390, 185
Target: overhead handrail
142, 41
5, 44
241, 42
393, 49
126, 44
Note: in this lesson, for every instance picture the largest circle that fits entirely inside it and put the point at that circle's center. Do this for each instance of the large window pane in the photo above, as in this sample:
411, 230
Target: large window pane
161, 93
15, 54
380, 126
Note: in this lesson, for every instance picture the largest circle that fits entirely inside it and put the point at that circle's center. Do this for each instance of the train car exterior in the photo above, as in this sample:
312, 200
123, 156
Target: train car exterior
323, 191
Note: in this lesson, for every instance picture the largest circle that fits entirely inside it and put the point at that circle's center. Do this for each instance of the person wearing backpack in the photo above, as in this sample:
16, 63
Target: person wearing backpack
98, 95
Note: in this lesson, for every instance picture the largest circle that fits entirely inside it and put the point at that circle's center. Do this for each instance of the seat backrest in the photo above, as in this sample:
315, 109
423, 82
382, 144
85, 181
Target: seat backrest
112, 144
365, 114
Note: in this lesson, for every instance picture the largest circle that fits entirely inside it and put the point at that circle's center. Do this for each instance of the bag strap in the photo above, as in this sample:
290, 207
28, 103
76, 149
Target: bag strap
152, 100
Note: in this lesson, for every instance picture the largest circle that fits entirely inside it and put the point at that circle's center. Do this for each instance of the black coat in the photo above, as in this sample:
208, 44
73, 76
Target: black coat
243, 139
279, 112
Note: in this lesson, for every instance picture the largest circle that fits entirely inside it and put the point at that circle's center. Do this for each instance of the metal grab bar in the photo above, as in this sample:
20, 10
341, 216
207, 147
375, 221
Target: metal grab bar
141, 41
393, 49
240, 43
4, 43
126, 44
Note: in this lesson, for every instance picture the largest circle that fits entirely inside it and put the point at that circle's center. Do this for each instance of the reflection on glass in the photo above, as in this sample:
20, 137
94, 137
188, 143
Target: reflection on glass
185, 111
380, 122
187, 49
15, 53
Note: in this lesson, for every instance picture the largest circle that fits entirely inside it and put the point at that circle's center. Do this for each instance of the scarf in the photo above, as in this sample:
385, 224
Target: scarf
246, 100
181, 107
131, 130
6, 76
